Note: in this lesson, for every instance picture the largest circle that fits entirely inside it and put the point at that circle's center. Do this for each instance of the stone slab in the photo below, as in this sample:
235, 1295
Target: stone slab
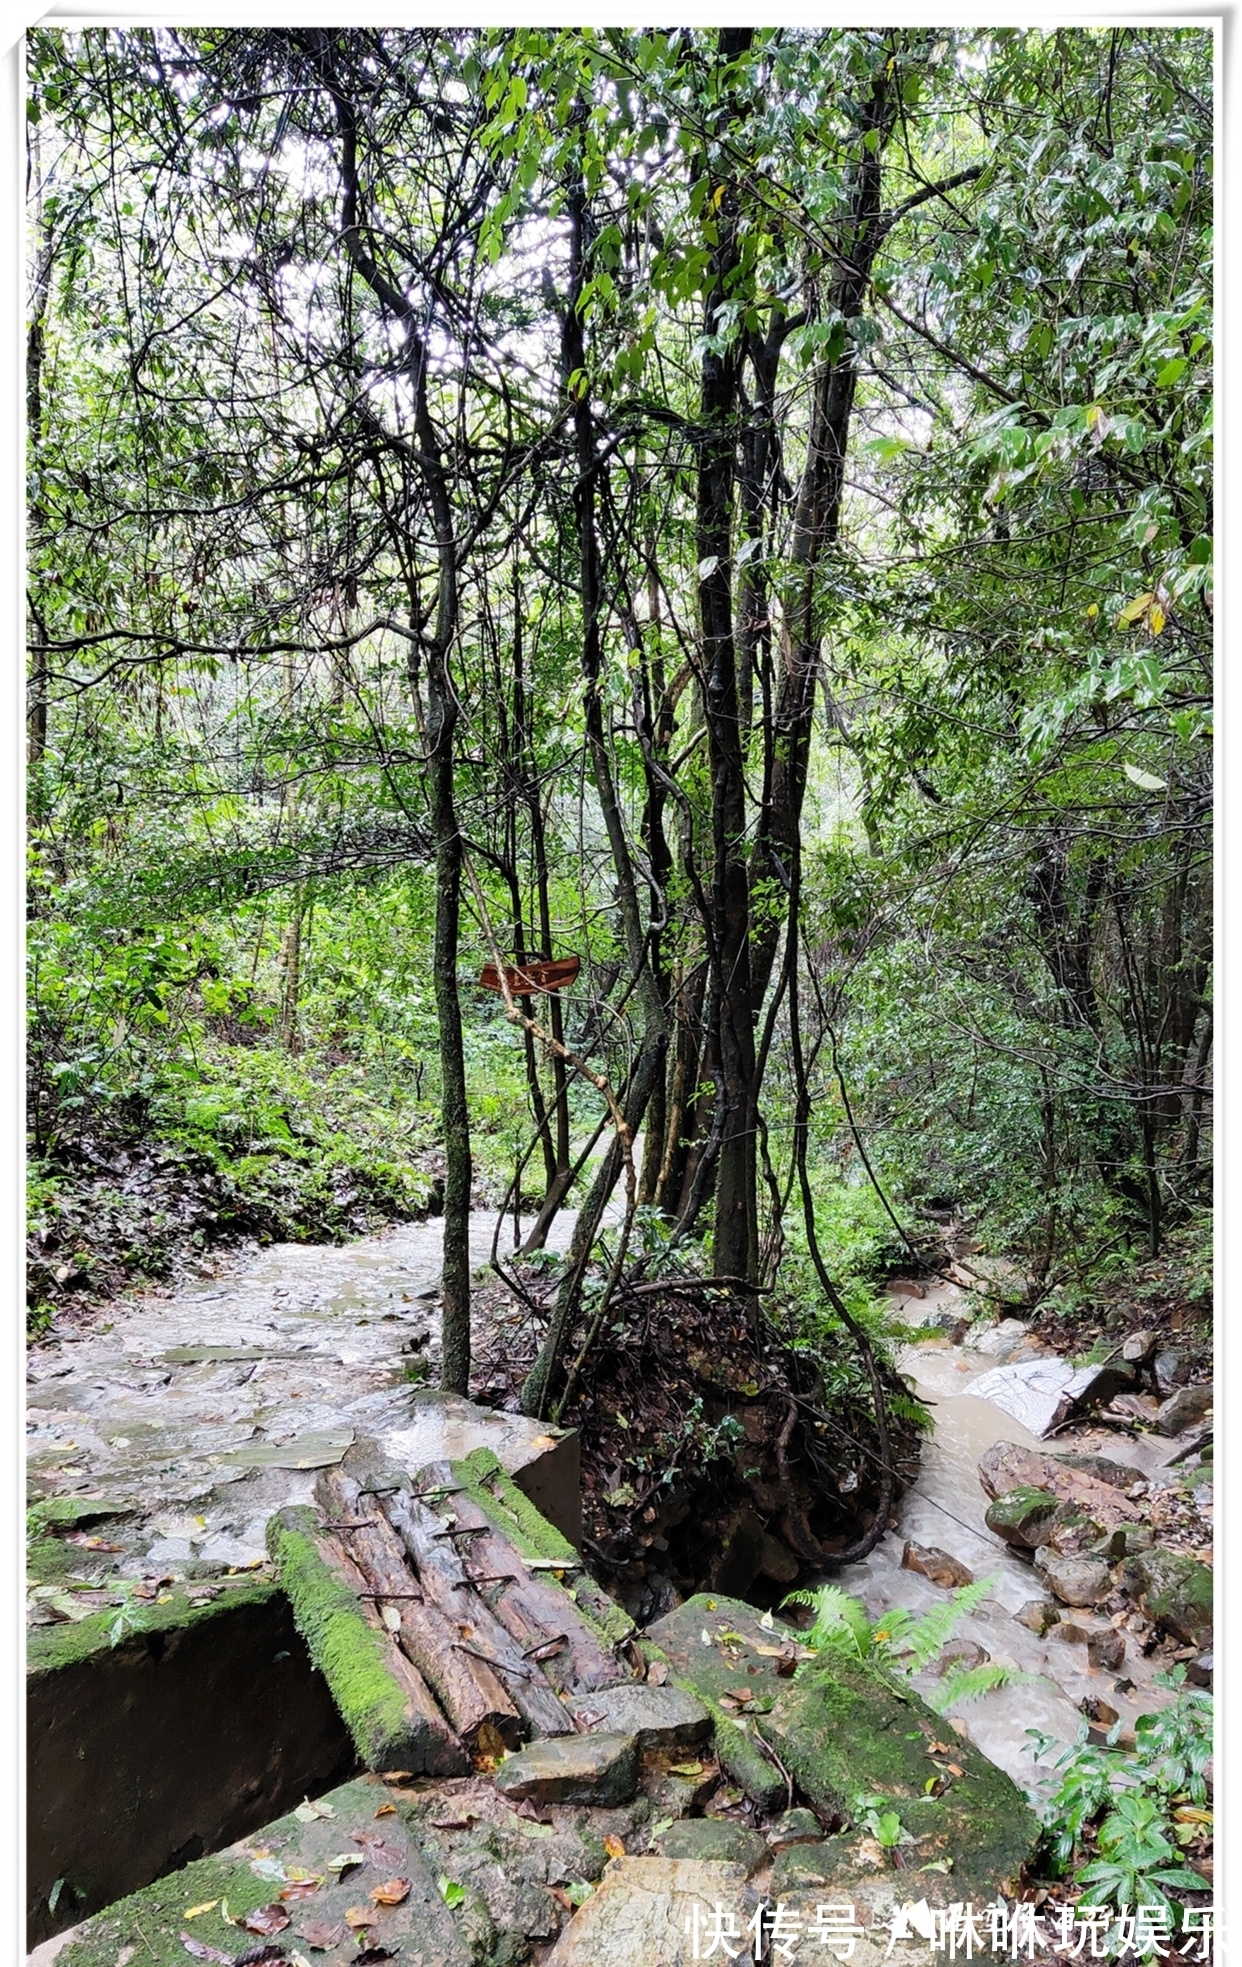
253, 1872
1041, 1393
657, 1717
649, 1912
600, 1769
845, 1731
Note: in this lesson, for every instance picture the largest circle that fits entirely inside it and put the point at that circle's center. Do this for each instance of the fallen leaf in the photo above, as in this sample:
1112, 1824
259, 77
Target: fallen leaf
393, 1892
343, 1862
548, 1652
385, 1857
657, 1672
685, 1768
300, 1888
268, 1867
455, 1823
391, 1617
321, 1934
451, 1893
266, 1919
530, 1809
201, 1950
614, 1846
196, 1912
395, 1775
307, 1812
359, 1916
386, 1810
956, 1769
767, 1622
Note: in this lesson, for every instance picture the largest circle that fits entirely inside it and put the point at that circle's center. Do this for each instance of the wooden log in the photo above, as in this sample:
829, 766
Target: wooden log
442, 1572
534, 1609
382, 1698
470, 1693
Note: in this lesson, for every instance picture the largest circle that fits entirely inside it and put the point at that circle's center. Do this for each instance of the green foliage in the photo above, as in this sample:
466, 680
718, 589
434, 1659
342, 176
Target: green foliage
902, 1642
1125, 1804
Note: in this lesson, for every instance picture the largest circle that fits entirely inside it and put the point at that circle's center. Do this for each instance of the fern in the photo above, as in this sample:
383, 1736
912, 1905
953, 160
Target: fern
970, 1683
915, 1643
840, 1621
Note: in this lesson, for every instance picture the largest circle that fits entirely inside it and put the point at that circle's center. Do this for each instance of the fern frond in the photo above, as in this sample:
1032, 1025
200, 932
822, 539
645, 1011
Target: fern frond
917, 1642
840, 1621
971, 1683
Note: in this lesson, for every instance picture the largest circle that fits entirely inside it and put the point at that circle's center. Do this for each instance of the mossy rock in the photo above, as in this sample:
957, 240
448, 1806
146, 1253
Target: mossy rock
1176, 1591
848, 1735
153, 1921
1021, 1516
51, 1647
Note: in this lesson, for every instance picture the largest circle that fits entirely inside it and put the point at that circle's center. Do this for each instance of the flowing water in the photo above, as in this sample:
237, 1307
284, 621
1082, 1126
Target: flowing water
945, 1508
320, 1339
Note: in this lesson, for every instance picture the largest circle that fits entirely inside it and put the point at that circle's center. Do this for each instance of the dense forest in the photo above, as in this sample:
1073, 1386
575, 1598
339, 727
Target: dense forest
731, 507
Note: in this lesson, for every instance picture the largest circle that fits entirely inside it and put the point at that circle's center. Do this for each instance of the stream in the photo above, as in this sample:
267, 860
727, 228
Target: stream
301, 1342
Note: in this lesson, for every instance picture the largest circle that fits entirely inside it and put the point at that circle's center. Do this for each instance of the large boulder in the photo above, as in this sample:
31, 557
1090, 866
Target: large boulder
847, 1732
657, 1912
1102, 1490
1042, 1393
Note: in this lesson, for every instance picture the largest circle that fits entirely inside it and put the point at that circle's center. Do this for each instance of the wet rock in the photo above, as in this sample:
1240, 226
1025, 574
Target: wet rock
1101, 1489
1101, 1468
962, 1653
646, 1912
1098, 1711
936, 1564
1041, 1393
1184, 1409
1139, 1346
779, 1562
1106, 1649
1172, 1369
1021, 1516
1071, 1634
657, 1717
1074, 1580
1038, 1615
1125, 1541
1175, 1591
601, 1769
842, 1730
1199, 1672
998, 1341
712, 1840
800, 1826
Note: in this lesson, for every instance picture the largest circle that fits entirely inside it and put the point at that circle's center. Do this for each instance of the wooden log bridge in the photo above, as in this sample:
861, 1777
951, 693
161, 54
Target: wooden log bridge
476, 1648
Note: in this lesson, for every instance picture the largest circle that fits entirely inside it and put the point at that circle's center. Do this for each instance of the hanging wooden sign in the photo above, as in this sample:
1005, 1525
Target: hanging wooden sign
538, 973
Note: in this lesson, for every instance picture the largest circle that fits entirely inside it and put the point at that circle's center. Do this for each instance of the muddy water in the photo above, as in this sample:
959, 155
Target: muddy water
946, 1509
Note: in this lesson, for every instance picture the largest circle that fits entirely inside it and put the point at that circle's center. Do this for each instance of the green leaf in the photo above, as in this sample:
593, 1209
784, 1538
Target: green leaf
1144, 779
451, 1893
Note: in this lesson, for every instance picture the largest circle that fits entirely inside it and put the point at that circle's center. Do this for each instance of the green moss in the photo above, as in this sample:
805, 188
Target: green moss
48, 1558
515, 1516
50, 1648
153, 1920
71, 1512
348, 1650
